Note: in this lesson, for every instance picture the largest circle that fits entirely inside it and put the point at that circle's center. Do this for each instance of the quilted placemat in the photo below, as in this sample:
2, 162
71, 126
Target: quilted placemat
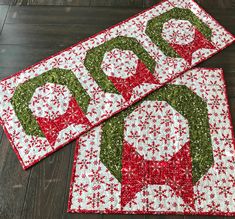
172, 152
54, 101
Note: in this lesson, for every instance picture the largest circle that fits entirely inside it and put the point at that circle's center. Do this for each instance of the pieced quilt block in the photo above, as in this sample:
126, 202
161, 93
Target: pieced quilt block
49, 104
171, 152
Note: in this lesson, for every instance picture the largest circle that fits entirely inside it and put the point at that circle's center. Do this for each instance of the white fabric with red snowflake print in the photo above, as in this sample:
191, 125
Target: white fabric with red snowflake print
50, 100
178, 32
160, 131
157, 135
136, 60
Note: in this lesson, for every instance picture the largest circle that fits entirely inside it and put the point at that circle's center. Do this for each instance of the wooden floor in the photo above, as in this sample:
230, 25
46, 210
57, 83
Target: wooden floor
34, 29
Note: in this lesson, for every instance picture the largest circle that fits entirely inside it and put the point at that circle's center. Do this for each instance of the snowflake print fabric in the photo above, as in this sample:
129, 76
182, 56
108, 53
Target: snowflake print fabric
172, 152
51, 103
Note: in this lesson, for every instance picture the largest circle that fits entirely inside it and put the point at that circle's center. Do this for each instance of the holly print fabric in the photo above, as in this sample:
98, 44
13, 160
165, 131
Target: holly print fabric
172, 152
49, 104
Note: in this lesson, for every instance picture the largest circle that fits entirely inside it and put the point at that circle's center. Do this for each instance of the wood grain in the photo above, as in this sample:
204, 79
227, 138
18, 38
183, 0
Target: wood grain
35, 29
52, 2
5, 2
3, 14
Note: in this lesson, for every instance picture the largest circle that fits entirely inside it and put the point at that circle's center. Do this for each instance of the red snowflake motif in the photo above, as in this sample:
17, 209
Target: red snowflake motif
96, 176
227, 139
173, 37
214, 128
121, 104
82, 142
7, 113
80, 188
224, 190
107, 66
215, 102
30, 159
143, 138
91, 153
192, 77
56, 62
154, 130
112, 187
16, 135
96, 200
157, 54
153, 147
83, 164
232, 180
96, 91
143, 124
165, 140
165, 156
220, 153
213, 207
132, 202
221, 168
134, 135
166, 120
148, 206
69, 135
6, 86
232, 162
160, 193
159, 106
170, 24
185, 37
224, 114
200, 197
42, 147
171, 63
180, 130
141, 109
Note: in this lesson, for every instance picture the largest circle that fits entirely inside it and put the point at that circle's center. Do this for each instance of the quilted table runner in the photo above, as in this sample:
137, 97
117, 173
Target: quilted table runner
172, 152
54, 101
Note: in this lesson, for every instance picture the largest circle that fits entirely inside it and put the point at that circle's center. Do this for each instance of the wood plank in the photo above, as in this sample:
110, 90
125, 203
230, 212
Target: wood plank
225, 4
15, 57
117, 3
52, 2
61, 15
93, 3
165, 217
118, 216
47, 186
37, 34
5, 2
82, 216
204, 217
149, 3
231, 102
13, 182
3, 14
